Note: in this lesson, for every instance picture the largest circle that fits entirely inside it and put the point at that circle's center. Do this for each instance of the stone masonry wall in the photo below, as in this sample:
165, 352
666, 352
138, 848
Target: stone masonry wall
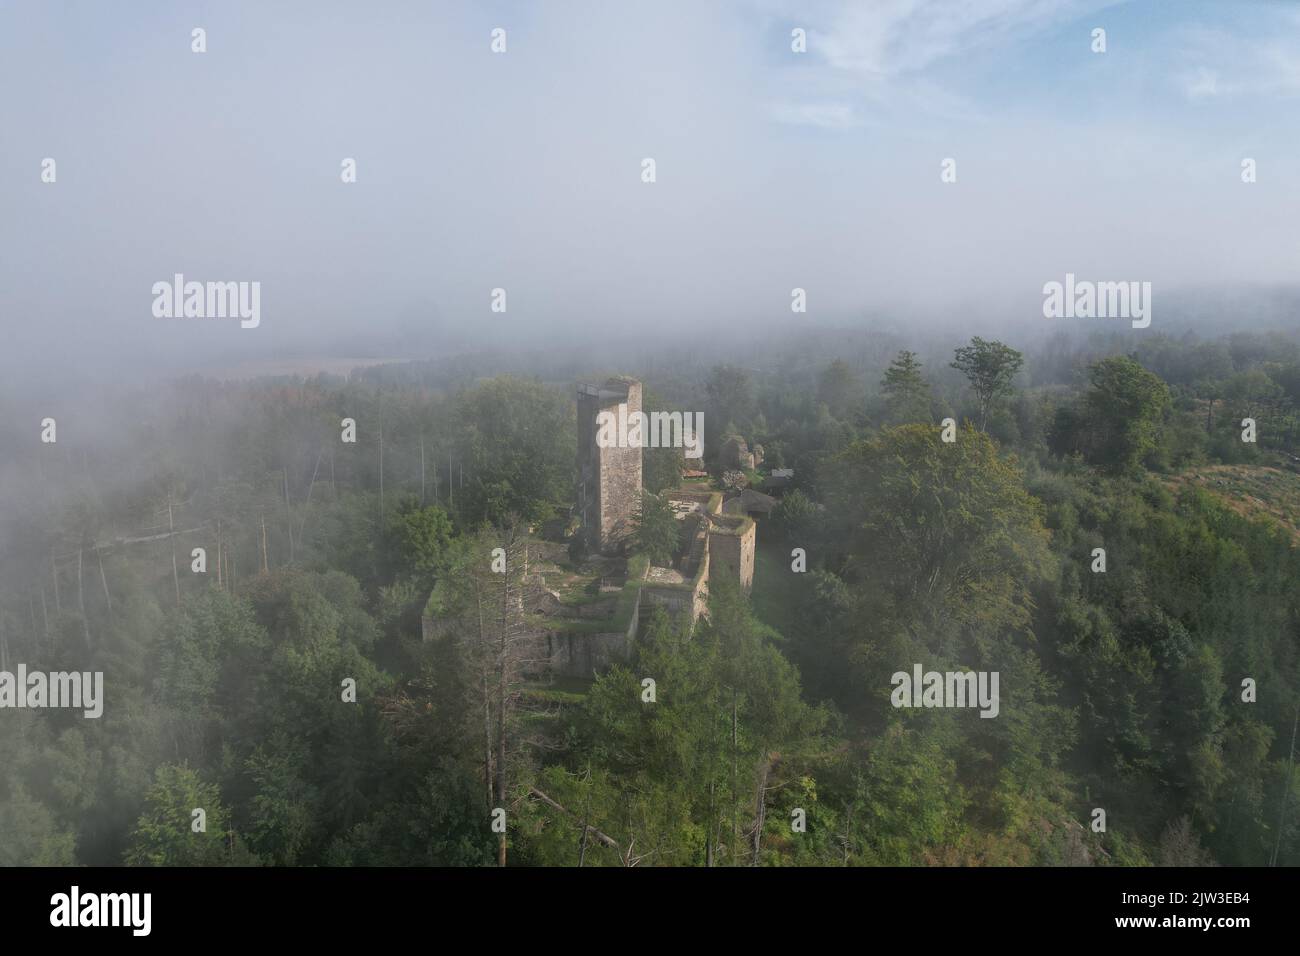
732, 553
609, 479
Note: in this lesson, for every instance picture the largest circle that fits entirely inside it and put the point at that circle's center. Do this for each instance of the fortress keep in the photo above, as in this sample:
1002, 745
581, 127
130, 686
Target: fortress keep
609, 479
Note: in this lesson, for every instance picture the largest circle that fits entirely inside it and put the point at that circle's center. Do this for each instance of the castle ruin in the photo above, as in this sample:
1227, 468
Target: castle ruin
586, 613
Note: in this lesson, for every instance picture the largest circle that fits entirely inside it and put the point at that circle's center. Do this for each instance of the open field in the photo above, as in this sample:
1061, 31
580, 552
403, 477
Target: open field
1251, 490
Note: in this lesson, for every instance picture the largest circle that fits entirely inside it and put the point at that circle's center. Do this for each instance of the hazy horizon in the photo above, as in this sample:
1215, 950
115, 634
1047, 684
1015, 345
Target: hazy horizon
522, 170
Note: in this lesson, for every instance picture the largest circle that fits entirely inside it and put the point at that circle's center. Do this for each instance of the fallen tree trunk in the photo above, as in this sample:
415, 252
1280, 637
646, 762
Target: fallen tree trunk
609, 841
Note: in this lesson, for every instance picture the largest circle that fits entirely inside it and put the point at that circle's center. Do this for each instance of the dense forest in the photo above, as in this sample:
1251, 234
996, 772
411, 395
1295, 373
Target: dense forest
1161, 686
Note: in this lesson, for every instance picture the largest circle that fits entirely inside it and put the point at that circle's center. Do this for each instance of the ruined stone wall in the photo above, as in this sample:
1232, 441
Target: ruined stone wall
702, 592
586, 655
683, 601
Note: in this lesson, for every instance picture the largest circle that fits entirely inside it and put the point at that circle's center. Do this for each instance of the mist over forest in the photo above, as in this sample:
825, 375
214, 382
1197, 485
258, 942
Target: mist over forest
1119, 690
959, 579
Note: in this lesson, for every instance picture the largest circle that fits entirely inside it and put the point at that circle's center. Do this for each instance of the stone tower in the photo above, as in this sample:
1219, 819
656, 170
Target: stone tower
609, 479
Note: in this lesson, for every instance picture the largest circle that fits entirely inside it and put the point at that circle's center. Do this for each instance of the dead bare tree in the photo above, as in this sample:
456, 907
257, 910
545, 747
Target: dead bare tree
171, 530
81, 597
496, 635
54, 567
760, 801
288, 514
587, 830
1286, 793
103, 580
302, 527
381, 466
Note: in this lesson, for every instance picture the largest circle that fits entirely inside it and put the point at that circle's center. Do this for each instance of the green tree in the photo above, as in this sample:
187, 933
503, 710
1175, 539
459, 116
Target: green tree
285, 808
680, 782
991, 368
420, 535
656, 529
1125, 410
164, 834
731, 396
206, 666
795, 517
914, 802
945, 532
518, 442
838, 388
31, 835
907, 396
1251, 392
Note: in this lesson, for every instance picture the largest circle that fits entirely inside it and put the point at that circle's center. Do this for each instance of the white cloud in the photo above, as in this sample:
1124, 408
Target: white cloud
1202, 83
1217, 63
905, 36
881, 52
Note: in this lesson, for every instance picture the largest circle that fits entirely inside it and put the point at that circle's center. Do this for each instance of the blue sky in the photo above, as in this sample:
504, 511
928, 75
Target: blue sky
942, 59
521, 170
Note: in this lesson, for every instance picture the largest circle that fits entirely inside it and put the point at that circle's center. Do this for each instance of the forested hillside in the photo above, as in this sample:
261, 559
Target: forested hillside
1161, 687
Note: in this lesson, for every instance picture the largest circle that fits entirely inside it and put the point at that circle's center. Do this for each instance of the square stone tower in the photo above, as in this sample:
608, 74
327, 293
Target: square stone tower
731, 549
609, 479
